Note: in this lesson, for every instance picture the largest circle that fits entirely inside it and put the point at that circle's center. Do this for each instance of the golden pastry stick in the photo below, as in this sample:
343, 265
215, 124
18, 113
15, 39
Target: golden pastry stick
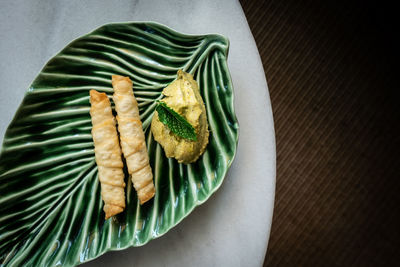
132, 138
108, 154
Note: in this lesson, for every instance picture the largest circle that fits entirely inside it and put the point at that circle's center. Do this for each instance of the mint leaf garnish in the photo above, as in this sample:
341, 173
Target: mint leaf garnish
175, 122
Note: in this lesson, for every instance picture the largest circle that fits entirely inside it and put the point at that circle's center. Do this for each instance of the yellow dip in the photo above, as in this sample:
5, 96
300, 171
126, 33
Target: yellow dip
183, 96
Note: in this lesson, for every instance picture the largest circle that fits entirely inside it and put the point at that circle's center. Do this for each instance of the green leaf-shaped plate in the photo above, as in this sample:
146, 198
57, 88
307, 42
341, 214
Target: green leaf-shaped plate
50, 204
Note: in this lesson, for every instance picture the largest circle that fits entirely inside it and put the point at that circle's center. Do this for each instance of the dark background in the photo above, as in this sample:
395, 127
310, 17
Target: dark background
332, 69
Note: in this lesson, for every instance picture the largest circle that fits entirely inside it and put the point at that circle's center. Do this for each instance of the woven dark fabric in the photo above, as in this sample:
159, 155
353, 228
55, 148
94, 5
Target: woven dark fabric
330, 68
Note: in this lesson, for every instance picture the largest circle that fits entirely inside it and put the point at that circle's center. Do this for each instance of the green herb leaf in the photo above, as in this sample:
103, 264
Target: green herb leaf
175, 122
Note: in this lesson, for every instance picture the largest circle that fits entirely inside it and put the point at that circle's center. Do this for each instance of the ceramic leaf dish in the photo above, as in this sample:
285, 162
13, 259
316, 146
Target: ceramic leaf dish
50, 203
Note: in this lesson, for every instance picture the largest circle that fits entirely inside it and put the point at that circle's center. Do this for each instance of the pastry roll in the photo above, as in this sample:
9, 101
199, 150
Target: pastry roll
132, 138
108, 154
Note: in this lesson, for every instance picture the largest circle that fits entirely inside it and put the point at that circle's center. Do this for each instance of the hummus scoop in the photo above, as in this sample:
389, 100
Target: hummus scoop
183, 96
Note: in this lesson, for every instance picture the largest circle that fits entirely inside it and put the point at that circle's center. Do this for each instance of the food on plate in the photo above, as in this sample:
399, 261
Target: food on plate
132, 138
107, 154
183, 97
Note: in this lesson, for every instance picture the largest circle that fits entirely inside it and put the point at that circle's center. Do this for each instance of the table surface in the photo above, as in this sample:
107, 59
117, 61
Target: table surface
232, 228
332, 69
